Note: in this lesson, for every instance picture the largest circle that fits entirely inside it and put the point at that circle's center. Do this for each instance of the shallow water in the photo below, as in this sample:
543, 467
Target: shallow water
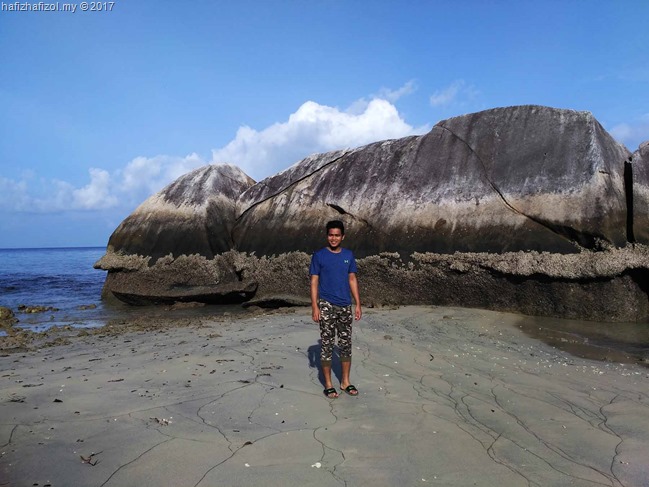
611, 342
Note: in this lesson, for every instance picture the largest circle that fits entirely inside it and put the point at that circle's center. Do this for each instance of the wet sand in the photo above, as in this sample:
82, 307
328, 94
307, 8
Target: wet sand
448, 396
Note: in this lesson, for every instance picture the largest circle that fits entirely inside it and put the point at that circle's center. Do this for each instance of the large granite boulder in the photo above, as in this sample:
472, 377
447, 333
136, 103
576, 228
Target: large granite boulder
639, 204
507, 179
193, 215
519, 209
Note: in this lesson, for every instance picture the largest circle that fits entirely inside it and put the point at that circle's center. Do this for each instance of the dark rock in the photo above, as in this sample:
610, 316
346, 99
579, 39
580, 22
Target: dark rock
272, 185
6, 314
193, 215
599, 286
186, 305
278, 301
605, 285
7, 317
191, 278
225, 294
508, 179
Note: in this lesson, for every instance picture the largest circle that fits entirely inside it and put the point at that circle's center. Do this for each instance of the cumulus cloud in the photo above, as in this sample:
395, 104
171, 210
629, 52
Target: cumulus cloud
457, 92
312, 128
95, 195
632, 134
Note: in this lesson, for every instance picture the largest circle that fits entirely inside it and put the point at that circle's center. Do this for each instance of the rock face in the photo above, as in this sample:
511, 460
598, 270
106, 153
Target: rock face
193, 215
639, 167
449, 217
508, 179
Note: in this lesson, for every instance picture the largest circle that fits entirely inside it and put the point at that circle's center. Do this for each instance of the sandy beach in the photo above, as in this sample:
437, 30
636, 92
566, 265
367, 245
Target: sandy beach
448, 396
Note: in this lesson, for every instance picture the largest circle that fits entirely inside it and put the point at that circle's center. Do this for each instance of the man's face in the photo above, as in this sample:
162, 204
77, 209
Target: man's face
334, 237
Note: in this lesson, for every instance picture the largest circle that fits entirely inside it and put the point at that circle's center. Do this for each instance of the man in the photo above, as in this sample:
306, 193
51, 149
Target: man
333, 284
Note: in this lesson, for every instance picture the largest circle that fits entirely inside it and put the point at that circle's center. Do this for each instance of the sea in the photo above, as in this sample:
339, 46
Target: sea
65, 280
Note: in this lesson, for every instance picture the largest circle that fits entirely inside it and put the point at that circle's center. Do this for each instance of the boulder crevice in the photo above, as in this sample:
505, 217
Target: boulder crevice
565, 232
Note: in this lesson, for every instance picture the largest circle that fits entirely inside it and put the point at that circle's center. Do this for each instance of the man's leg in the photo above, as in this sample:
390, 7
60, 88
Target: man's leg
327, 333
344, 325
346, 366
326, 373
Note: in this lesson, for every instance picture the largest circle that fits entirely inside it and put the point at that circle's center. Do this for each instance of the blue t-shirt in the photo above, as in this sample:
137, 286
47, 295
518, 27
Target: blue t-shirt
333, 270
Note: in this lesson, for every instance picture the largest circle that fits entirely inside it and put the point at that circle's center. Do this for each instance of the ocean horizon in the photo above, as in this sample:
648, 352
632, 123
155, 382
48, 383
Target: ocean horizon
60, 278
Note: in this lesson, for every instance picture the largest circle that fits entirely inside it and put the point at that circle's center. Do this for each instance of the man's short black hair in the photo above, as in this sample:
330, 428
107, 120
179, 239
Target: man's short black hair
336, 224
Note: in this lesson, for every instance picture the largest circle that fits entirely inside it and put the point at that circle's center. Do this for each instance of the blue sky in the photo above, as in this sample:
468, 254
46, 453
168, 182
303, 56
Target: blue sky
99, 110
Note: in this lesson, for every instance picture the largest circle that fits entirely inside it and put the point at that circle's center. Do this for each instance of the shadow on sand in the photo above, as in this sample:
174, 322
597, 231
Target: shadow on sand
314, 362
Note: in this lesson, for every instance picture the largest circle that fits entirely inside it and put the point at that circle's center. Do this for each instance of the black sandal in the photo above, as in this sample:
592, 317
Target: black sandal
329, 392
351, 390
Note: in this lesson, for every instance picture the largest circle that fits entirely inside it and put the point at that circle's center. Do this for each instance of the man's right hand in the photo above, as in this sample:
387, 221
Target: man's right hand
315, 309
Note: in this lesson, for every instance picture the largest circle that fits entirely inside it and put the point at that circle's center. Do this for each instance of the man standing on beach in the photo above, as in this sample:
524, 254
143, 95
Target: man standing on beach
333, 284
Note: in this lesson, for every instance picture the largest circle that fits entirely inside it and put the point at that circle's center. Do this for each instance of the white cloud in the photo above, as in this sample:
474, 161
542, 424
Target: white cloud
95, 195
311, 129
632, 134
140, 171
457, 92
144, 176
393, 95
360, 105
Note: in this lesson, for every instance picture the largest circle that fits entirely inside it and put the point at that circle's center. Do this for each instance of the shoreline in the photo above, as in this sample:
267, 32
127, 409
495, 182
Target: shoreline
448, 396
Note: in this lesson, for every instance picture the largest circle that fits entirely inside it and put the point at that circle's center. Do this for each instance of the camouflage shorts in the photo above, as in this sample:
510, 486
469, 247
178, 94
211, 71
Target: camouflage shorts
335, 320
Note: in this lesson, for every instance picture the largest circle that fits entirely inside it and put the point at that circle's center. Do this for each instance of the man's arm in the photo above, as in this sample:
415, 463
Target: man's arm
353, 285
315, 309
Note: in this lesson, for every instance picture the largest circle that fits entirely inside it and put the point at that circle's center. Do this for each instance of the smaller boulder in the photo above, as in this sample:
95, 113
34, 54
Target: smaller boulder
7, 317
192, 215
